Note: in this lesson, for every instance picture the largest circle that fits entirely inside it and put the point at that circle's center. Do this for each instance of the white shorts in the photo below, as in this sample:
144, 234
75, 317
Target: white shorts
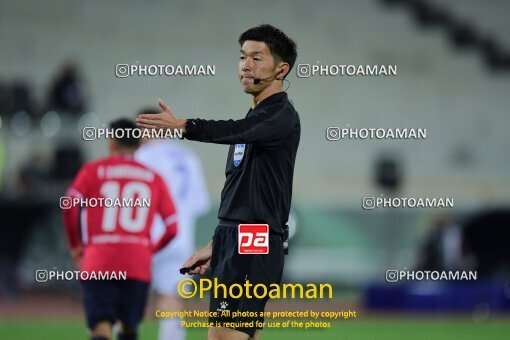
165, 270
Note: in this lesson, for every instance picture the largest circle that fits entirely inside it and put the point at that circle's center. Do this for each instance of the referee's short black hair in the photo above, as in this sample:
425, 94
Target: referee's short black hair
126, 137
280, 45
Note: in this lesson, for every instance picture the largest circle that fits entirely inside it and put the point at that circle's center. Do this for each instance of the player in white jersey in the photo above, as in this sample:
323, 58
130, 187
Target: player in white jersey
182, 172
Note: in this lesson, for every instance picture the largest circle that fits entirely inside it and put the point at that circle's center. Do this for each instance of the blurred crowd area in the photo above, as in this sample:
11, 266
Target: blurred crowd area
22, 115
453, 80
29, 195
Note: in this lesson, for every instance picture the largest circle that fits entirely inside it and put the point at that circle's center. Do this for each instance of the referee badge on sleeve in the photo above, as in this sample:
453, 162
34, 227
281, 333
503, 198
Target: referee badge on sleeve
238, 154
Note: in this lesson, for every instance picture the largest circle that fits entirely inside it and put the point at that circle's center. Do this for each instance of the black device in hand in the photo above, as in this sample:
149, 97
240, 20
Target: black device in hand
186, 270
183, 271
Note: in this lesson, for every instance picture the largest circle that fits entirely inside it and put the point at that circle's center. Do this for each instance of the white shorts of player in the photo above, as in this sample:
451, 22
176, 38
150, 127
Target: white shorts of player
165, 269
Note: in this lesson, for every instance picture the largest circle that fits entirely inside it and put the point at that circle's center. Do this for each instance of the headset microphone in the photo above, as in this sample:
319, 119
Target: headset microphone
258, 80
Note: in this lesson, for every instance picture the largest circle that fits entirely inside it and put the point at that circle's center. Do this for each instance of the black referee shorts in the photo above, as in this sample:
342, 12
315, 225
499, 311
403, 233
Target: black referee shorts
230, 267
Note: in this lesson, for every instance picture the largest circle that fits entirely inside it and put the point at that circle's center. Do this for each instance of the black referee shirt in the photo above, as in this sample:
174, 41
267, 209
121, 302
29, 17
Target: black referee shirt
260, 162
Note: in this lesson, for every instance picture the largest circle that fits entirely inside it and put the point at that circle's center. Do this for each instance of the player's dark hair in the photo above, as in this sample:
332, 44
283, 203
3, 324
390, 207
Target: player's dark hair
127, 139
280, 45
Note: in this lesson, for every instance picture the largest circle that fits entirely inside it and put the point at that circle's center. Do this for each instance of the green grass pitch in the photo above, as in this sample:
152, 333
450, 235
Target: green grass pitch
383, 328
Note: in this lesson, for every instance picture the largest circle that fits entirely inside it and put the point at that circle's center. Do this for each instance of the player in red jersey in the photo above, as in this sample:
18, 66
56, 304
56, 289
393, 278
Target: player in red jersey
108, 213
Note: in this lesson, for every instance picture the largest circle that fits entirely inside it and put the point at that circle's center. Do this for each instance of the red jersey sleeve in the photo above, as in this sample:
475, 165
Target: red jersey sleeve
166, 210
71, 212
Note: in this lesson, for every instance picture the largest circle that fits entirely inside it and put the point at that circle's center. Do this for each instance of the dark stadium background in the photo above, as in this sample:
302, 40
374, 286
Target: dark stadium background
57, 75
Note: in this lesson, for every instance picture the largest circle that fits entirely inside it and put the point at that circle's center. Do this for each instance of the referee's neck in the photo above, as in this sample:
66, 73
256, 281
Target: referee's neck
275, 87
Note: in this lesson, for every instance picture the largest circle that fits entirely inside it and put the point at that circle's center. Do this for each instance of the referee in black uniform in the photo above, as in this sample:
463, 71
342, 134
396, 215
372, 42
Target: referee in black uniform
259, 172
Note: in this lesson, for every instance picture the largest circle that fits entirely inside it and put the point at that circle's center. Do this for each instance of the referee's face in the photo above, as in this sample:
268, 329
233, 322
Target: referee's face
256, 61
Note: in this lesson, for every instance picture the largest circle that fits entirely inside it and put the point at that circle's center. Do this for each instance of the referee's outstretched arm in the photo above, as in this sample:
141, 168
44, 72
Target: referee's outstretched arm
264, 127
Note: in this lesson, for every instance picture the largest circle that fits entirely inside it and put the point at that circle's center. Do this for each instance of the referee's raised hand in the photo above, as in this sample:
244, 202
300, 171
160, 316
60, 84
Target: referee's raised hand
163, 120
